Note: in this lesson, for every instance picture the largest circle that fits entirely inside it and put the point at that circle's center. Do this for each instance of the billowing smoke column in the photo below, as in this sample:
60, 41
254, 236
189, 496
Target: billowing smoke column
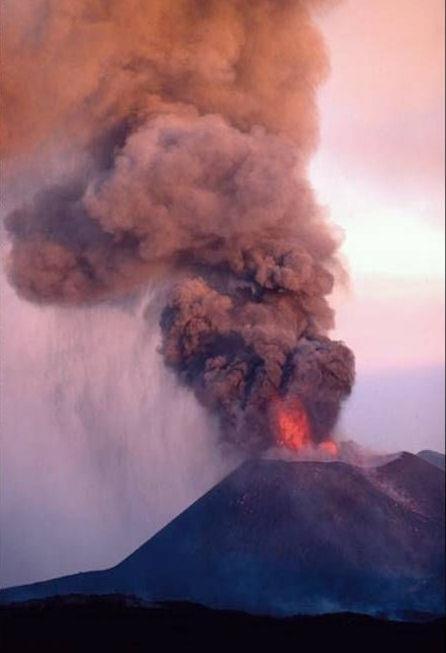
194, 120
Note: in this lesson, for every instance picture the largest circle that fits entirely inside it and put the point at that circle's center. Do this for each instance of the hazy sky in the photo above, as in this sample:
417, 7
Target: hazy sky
380, 169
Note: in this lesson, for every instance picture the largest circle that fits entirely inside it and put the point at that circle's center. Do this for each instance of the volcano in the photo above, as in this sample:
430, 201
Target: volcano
283, 538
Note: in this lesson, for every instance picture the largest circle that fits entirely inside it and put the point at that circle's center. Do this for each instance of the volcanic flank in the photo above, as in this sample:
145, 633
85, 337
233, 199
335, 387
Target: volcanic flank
192, 123
280, 538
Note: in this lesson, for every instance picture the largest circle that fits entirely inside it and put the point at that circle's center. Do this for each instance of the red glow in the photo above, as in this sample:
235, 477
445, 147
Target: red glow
293, 430
329, 447
292, 425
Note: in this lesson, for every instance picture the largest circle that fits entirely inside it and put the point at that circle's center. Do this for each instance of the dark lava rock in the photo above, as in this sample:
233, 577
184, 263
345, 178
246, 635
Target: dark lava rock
433, 457
286, 538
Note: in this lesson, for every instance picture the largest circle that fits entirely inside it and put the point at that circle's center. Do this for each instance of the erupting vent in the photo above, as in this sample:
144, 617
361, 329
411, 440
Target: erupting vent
292, 425
293, 429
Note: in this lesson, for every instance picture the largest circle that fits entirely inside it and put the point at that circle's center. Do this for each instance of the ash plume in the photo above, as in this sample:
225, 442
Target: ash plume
194, 120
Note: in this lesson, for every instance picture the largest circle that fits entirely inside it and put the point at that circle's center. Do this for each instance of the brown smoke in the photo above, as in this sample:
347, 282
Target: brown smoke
197, 118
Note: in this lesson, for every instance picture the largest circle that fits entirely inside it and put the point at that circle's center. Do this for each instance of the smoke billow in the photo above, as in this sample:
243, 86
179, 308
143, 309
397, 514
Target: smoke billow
194, 120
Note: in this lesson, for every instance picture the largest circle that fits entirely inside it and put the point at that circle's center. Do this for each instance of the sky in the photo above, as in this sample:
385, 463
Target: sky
380, 170
84, 458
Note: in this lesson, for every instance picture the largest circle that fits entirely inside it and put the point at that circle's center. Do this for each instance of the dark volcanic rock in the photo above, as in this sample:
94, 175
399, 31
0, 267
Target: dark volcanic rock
433, 457
293, 537
413, 482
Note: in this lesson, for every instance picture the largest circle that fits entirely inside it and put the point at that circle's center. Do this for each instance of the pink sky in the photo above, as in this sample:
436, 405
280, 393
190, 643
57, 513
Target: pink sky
383, 107
380, 169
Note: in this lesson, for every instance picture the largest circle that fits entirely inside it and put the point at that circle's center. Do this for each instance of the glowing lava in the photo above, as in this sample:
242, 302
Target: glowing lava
329, 447
293, 428
292, 425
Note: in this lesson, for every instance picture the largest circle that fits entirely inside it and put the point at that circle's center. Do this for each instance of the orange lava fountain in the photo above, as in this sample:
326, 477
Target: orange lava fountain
293, 429
292, 425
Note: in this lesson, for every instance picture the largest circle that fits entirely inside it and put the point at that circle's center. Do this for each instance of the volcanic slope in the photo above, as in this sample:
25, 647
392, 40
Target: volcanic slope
292, 538
433, 457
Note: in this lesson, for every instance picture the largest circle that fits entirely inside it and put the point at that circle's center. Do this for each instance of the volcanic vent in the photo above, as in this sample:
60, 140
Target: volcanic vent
192, 123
